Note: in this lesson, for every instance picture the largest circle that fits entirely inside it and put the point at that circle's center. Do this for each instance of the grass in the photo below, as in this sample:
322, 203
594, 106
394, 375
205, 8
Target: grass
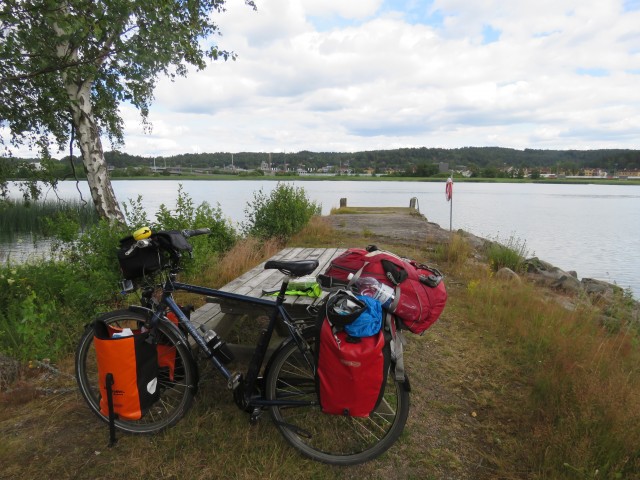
455, 252
582, 382
510, 254
507, 384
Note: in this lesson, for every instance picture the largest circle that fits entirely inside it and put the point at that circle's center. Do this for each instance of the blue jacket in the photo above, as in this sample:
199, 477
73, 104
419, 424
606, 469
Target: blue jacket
370, 320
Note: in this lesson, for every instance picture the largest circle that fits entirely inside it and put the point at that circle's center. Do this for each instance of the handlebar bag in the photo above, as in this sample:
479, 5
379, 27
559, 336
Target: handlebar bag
138, 262
350, 372
133, 362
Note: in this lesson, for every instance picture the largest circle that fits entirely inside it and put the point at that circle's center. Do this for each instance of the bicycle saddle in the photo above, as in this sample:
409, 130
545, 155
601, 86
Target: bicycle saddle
295, 268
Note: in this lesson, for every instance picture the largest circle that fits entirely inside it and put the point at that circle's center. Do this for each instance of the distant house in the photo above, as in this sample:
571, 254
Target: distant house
594, 172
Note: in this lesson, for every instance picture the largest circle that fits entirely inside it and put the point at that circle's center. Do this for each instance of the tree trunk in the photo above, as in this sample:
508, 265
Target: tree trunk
93, 160
88, 135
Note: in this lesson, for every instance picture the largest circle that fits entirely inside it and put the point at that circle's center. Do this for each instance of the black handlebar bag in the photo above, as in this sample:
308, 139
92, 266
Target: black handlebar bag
138, 262
132, 361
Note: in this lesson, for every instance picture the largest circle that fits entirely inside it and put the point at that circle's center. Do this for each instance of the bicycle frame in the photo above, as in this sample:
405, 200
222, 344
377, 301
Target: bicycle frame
235, 381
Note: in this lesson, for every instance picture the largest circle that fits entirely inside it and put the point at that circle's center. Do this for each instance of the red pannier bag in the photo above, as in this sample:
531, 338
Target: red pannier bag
350, 377
420, 293
133, 363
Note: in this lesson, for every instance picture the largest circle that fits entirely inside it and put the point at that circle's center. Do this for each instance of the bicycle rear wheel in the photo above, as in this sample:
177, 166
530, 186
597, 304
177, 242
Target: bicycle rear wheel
176, 390
334, 439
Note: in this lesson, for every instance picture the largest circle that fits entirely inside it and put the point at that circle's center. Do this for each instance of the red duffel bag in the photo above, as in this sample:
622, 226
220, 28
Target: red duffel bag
420, 293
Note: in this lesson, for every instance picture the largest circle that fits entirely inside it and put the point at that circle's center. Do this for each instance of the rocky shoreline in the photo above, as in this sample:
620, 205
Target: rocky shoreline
407, 226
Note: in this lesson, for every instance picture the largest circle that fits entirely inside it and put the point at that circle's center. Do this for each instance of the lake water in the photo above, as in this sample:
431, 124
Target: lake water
592, 229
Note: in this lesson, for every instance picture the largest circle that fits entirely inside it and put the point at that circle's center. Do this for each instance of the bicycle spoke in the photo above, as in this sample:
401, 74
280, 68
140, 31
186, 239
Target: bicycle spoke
331, 438
176, 395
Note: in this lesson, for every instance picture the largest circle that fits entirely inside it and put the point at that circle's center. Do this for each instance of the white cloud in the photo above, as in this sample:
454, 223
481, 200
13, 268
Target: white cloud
334, 75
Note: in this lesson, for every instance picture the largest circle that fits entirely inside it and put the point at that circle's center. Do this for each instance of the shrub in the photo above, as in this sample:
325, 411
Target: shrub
281, 214
187, 216
44, 305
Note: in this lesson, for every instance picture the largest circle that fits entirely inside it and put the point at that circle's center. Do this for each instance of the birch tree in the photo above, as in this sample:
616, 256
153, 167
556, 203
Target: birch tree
67, 65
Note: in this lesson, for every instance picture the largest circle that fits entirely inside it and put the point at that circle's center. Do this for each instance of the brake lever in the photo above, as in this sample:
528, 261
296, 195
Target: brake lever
139, 244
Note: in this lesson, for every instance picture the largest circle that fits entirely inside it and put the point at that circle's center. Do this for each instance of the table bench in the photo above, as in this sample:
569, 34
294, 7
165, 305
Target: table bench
234, 320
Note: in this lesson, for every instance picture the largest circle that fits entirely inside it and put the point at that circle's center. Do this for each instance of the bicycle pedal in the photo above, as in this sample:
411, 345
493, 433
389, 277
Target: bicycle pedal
255, 416
234, 381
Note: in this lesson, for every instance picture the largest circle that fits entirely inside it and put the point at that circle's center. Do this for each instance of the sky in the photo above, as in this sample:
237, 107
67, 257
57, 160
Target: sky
340, 75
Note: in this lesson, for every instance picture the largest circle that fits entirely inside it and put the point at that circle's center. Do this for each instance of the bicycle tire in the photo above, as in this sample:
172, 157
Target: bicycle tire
176, 395
332, 439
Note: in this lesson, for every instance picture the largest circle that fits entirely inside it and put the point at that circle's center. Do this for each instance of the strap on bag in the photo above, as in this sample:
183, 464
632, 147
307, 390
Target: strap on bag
397, 343
356, 275
112, 415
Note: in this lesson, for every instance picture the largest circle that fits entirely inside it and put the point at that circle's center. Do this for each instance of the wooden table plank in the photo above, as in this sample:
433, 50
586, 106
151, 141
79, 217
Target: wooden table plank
221, 315
257, 280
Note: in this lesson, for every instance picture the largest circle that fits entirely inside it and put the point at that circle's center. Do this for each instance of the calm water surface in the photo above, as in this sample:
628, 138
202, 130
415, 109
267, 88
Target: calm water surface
593, 229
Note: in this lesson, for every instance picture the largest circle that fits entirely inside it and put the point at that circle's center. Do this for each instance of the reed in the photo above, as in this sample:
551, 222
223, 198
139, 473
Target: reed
455, 252
18, 217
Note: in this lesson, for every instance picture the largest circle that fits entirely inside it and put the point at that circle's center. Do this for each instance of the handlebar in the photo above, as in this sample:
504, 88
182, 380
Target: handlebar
196, 232
145, 242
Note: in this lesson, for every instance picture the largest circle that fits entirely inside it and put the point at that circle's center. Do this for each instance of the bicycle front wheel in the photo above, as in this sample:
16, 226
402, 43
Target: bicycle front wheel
177, 388
333, 439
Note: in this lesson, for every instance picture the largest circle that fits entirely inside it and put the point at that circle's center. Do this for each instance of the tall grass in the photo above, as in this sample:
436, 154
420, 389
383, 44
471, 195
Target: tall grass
455, 252
581, 417
30, 217
318, 232
510, 254
243, 256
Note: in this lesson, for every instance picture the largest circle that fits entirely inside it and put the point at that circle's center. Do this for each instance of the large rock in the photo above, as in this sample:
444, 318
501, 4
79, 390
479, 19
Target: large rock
543, 273
600, 291
567, 283
508, 275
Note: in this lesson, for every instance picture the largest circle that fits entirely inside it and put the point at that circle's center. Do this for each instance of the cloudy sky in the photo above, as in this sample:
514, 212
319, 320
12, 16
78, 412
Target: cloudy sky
341, 75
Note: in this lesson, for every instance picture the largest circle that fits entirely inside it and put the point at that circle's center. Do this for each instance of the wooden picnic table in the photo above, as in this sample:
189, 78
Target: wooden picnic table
223, 315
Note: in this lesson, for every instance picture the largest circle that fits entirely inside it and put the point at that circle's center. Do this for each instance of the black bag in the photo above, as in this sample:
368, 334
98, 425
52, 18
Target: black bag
138, 262
132, 361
